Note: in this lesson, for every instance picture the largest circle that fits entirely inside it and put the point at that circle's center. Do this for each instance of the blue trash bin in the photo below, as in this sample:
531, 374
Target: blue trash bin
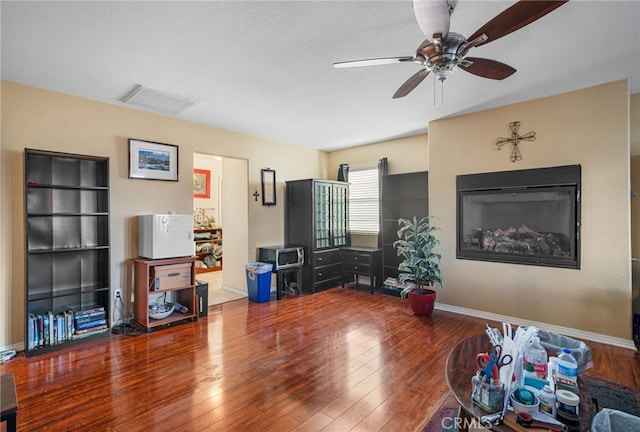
259, 281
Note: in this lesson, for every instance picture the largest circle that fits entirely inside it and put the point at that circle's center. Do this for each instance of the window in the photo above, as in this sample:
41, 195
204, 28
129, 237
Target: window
363, 200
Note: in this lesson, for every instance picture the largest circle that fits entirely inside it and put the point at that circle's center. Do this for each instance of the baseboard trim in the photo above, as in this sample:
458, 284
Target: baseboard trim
235, 290
568, 331
17, 346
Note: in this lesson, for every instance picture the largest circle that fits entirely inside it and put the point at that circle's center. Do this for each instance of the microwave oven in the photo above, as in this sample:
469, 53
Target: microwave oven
282, 257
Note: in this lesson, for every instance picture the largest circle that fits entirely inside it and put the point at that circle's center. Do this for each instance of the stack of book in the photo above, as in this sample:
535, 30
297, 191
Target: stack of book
89, 321
49, 329
52, 329
393, 287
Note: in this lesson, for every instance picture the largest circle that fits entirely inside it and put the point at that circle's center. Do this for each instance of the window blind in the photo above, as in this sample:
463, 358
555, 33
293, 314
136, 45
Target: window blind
364, 200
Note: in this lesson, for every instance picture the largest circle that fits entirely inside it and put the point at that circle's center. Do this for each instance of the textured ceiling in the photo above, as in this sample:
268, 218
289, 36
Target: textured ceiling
264, 67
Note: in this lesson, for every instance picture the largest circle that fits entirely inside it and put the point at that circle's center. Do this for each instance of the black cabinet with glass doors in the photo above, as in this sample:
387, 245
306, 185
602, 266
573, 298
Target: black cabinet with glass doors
317, 218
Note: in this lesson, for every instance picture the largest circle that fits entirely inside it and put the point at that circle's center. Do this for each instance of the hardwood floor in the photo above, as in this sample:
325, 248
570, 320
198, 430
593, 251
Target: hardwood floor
339, 360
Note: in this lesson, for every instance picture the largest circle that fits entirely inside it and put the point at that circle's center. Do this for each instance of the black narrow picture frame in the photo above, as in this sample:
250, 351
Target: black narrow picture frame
268, 177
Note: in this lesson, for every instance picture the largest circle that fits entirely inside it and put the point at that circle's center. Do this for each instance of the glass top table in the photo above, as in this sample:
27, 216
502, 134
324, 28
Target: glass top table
461, 367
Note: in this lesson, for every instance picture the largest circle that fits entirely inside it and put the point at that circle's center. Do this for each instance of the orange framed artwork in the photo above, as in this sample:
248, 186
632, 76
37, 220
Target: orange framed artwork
201, 183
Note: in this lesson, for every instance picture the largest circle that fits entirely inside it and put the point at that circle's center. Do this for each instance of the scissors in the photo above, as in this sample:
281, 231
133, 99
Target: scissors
491, 364
501, 360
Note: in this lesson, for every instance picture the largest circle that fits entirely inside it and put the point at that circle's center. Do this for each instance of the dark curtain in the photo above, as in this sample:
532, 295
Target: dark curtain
382, 168
382, 171
343, 173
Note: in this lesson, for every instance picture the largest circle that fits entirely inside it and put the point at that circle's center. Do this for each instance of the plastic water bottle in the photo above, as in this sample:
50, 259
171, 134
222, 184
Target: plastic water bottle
567, 375
536, 355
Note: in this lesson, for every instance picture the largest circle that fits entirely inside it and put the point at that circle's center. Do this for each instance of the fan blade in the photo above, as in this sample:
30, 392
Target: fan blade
432, 16
372, 62
411, 83
517, 16
487, 68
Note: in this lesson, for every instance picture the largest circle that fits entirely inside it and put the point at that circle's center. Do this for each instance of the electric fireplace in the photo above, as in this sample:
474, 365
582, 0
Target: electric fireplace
523, 217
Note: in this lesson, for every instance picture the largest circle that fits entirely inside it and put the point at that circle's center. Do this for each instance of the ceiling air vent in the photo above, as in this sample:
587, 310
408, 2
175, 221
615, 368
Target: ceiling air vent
156, 100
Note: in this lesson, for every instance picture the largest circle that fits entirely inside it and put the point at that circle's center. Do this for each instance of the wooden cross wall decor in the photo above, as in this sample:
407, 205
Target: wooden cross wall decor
515, 139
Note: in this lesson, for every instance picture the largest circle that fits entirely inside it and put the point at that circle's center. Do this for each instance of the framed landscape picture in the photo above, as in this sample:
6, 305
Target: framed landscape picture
201, 183
152, 160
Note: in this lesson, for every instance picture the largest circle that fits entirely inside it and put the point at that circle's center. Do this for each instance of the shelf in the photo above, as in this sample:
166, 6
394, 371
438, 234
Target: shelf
53, 214
69, 187
174, 317
69, 343
71, 249
208, 269
216, 243
66, 292
64, 169
147, 269
67, 238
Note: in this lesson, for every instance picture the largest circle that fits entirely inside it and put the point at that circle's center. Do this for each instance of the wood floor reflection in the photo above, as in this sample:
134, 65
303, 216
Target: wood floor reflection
339, 360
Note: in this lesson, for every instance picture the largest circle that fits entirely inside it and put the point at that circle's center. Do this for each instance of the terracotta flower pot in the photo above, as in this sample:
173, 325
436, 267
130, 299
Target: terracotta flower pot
422, 304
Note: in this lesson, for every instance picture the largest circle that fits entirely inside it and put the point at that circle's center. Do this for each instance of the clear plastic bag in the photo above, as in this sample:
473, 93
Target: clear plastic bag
258, 267
610, 420
556, 342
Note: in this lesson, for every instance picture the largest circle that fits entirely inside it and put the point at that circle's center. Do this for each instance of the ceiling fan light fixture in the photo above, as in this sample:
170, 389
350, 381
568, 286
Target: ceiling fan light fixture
432, 16
448, 58
156, 100
447, 51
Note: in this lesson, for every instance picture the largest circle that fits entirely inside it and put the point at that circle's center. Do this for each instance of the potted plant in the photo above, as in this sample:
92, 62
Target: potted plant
420, 267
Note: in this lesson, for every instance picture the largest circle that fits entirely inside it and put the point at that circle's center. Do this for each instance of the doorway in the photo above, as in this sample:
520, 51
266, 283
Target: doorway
220, 208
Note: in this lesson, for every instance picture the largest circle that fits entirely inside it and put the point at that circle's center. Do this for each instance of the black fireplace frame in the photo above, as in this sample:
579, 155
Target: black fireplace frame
517, 181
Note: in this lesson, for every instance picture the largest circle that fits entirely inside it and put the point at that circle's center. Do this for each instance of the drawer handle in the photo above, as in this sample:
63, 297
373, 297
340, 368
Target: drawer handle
173, 274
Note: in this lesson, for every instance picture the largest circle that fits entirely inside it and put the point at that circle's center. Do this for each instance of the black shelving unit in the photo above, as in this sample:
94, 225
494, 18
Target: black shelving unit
402, 196
317, 218
67, 240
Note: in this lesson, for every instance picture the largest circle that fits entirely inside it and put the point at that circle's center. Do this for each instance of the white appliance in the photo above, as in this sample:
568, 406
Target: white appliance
165, 236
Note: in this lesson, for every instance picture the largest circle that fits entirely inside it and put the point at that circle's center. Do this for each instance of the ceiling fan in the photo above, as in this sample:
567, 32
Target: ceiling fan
447, 50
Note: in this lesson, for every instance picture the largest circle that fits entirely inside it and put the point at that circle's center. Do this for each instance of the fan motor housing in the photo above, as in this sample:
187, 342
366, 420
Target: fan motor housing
440, 56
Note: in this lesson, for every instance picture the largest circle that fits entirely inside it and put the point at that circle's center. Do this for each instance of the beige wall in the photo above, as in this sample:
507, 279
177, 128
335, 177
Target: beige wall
635, 201
404, 155
235, 235
588, 127
47, 120
635, 124
635, 232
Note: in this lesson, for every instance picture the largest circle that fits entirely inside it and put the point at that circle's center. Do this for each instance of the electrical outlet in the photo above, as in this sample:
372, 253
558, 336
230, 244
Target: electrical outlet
117, 293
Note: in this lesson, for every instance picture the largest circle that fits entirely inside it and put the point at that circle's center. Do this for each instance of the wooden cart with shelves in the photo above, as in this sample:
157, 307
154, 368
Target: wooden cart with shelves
213, 237
162, 276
